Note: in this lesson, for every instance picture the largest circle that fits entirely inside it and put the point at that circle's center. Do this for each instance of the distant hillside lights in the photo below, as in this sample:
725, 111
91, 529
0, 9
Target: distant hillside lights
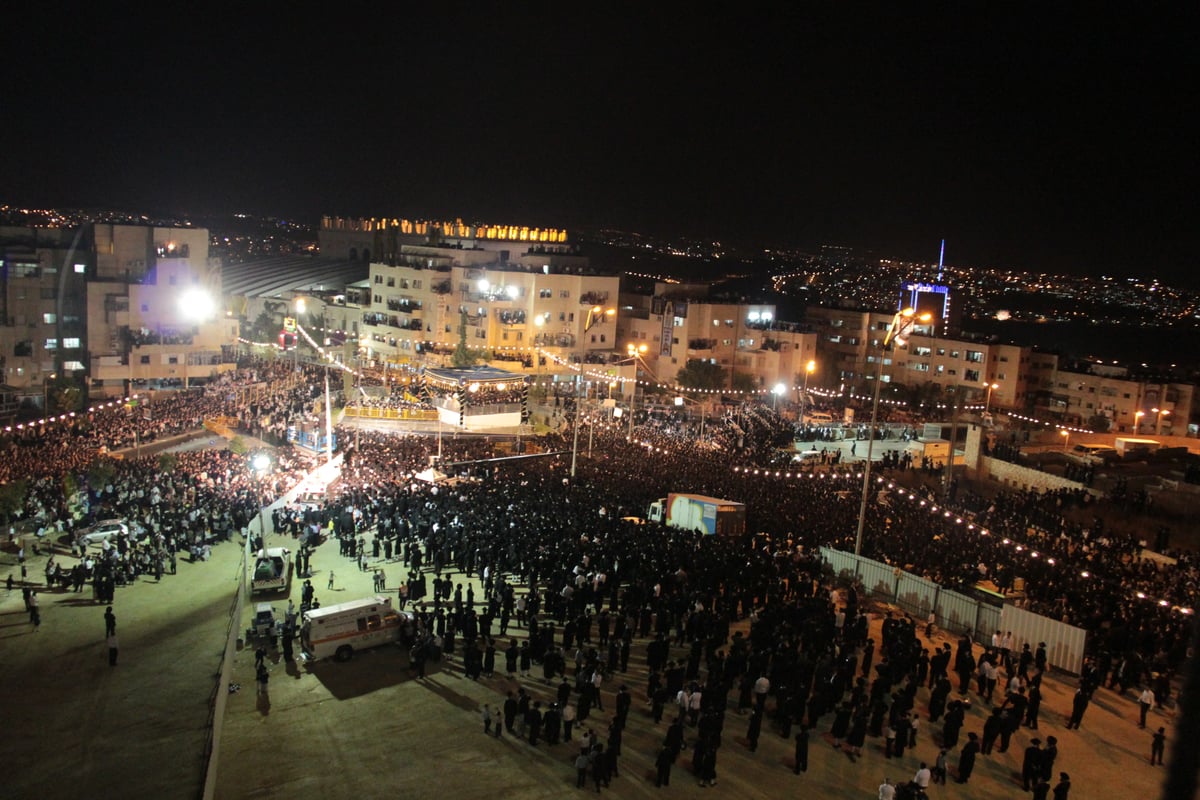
455, 230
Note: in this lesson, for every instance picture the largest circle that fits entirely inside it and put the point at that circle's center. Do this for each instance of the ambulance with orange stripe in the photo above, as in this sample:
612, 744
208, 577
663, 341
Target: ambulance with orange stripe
342, 630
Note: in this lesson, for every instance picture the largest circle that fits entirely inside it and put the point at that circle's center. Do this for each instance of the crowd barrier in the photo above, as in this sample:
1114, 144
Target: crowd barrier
375, 412
222, 426
960, 613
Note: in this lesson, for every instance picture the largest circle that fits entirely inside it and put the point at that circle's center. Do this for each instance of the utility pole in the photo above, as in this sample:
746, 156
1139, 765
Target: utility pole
575, 446
948, 475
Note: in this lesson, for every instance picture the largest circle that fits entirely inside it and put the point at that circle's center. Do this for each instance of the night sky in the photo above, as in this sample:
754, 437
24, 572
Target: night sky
1029, 138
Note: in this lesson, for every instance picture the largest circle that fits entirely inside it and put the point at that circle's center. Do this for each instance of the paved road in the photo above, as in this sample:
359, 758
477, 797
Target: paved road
342, 729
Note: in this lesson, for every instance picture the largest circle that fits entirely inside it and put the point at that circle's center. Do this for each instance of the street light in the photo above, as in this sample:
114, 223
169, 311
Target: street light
1066, 434
777, 391
301, 307
635, 352
809, 369
1137, 420
260, 464
1159, 413
988, 400
47, 382
901, 324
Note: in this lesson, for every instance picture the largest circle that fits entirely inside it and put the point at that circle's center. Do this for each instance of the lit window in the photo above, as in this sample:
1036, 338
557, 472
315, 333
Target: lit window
71, 342
49, 318
52, 344
81, 269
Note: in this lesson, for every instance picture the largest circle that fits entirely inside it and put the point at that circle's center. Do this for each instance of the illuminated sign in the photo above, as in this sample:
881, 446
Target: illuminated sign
932, 298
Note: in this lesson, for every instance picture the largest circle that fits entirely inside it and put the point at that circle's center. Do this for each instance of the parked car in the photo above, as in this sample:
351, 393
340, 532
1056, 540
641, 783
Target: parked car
103, 531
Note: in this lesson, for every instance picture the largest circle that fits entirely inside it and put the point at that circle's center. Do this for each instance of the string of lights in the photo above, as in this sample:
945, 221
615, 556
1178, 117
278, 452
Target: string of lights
70, 415
604, 378
933, 508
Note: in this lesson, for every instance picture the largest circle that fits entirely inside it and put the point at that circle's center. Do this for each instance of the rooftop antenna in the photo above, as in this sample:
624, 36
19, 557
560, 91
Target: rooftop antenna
941, 260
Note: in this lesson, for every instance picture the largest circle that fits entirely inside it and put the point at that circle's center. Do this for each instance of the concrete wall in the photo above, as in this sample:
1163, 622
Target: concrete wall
1016, 476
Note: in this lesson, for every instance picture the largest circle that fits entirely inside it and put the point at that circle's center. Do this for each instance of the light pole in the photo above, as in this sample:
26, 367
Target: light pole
1159, 413
575, 446
1066, 434
776, 392
47, 382
300, 308
809, 369
260, 464
632, 400
903, 322
1137, 421
987, 403
635, 352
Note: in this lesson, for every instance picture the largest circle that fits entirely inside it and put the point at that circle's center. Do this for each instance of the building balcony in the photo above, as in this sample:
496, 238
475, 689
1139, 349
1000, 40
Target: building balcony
554, 340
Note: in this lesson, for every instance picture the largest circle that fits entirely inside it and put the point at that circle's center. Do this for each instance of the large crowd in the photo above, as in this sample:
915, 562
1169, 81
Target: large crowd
551, 546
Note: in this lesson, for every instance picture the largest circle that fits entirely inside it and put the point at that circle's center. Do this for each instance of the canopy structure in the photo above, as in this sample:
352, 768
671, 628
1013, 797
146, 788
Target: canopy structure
481, 397
452, 377
431, 475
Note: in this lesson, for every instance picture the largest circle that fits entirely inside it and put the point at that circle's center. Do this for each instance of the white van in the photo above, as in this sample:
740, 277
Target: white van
818, 418
341, 629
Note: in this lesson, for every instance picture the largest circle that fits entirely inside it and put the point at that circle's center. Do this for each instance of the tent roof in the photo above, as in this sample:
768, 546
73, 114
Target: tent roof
465, 375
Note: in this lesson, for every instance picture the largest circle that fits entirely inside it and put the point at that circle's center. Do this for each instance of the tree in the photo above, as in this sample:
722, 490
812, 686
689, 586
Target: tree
264, 328
12, 498
1099, 423
167, 462
67, 397
703, 375
743, 382
462, 356
101, 473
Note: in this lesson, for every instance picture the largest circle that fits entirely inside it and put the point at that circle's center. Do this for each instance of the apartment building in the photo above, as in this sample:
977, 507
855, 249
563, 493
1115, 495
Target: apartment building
677, 323
155, 315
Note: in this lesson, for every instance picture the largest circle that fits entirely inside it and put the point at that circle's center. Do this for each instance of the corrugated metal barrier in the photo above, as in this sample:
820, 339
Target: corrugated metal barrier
961, 613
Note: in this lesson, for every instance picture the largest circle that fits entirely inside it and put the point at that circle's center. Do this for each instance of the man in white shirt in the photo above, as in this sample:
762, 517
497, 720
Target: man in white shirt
923, 776
886, 790
1144, 702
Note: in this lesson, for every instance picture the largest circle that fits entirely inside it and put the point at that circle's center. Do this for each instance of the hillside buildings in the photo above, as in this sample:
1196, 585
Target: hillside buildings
110, 307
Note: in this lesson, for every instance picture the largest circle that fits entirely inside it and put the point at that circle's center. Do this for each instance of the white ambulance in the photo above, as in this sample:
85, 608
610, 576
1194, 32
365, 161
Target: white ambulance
342, 629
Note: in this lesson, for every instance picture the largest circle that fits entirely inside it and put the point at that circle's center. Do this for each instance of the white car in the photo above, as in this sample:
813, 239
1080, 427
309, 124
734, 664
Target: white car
103, 531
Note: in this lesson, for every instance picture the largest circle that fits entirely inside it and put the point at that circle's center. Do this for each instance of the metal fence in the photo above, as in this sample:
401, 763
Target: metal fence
958, 612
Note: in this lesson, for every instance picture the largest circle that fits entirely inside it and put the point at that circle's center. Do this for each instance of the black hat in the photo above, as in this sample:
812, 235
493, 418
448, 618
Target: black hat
1035, 741
1064, 776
